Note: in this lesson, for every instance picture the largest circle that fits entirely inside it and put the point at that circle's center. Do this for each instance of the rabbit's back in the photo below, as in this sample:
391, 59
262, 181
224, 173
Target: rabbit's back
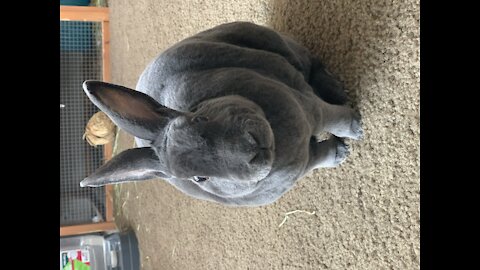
195, 68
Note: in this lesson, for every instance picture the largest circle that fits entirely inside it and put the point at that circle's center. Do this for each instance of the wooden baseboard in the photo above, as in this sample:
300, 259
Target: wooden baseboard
78, 13
87, 228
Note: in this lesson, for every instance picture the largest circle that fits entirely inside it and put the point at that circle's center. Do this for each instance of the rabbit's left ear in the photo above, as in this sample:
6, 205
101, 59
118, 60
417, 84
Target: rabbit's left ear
130, 165
131, 110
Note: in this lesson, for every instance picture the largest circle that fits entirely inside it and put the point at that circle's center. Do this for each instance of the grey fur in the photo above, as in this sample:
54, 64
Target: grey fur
240, 104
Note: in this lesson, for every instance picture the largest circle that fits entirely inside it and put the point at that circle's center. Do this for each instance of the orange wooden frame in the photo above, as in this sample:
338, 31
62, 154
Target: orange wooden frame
95, 14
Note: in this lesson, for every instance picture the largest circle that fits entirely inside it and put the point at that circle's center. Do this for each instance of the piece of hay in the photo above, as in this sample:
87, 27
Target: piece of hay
99, 130
293, 212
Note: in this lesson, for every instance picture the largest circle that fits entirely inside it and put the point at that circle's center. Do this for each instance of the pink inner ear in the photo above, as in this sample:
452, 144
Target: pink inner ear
127, 105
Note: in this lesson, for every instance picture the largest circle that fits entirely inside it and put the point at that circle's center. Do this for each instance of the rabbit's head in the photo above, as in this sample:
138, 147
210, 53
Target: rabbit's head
222, 139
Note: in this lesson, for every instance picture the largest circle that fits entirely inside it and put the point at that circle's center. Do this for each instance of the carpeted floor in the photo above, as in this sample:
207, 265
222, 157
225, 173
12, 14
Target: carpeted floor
366, 211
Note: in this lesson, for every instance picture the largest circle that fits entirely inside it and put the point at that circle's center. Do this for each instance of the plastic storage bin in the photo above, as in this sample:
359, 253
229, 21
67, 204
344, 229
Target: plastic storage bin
116, 251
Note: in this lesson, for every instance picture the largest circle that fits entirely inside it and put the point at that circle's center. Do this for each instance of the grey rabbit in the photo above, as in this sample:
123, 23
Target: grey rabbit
231, 115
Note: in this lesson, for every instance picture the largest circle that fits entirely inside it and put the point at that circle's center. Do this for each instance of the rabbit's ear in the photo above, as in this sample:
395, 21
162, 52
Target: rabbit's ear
131, 110
130, 165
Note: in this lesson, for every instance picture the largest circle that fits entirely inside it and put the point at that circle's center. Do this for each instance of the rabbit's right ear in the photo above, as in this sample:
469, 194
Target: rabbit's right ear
131, 110
134, 164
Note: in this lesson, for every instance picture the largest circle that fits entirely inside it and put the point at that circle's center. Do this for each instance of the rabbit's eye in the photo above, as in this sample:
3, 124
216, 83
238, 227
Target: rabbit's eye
200, 178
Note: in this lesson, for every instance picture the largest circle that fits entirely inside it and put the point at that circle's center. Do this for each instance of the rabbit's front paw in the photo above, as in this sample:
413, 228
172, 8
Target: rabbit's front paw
356, 127
342, 151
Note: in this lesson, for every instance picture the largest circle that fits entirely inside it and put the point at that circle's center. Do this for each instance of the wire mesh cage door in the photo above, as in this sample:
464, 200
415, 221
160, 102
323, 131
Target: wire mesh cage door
84, 55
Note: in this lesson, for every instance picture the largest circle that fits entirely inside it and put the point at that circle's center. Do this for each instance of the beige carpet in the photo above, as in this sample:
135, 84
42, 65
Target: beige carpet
366, 211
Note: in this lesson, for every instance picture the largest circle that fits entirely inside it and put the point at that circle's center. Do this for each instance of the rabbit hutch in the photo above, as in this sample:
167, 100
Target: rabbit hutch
84, 55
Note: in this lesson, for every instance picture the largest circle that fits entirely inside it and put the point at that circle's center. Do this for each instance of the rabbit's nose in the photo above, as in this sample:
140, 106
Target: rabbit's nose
263, 156
252, 139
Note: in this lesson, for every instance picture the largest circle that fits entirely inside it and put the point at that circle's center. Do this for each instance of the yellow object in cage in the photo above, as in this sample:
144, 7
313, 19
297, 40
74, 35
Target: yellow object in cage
100, 130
